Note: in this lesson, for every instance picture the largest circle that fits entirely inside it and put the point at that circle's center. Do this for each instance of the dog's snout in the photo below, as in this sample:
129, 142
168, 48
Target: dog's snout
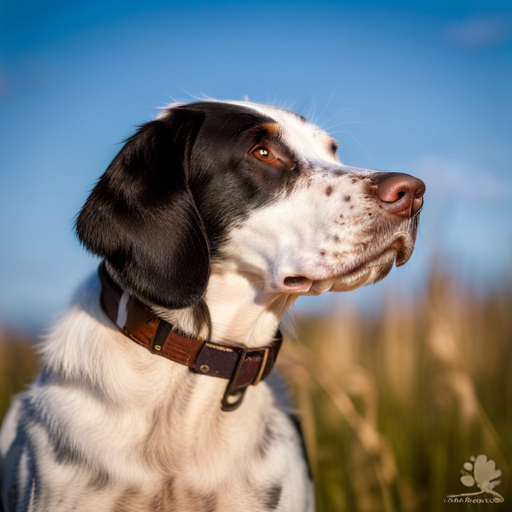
401, 194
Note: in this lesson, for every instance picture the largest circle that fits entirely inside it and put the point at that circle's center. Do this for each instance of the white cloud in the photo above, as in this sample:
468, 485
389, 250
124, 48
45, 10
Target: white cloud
480, 31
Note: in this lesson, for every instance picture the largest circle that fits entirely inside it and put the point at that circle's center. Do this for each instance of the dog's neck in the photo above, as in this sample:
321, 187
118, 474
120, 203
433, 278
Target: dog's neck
241, 312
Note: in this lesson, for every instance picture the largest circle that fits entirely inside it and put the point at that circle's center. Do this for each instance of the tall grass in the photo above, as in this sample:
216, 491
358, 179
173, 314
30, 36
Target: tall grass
18, 365
402, 400
391, 405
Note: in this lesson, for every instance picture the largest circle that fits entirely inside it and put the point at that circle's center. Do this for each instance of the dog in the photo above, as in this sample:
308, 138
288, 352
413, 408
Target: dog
211, 221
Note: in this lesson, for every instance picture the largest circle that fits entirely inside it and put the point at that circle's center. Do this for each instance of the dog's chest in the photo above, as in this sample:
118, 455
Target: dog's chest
175, 454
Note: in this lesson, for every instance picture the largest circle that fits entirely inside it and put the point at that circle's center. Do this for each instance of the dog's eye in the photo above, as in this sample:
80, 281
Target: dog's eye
264, 154
275, 157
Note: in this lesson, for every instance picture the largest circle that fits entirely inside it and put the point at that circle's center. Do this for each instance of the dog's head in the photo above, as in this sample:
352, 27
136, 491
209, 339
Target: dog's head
215, 184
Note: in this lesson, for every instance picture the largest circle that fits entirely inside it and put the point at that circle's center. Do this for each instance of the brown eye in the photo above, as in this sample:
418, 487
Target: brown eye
263, 154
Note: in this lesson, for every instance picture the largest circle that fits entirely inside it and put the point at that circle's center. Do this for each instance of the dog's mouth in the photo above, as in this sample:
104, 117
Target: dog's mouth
366, 270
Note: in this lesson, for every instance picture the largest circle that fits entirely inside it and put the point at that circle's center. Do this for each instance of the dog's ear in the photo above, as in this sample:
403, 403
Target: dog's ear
141, 216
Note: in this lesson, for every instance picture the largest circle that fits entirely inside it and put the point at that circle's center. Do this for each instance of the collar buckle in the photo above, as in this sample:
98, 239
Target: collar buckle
263, 363
234, 394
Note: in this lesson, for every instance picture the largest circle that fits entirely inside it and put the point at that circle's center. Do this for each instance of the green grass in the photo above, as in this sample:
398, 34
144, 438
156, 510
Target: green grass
18, 366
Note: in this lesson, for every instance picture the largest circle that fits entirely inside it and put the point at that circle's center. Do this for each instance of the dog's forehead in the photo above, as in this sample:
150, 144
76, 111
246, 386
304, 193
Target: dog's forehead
305, 139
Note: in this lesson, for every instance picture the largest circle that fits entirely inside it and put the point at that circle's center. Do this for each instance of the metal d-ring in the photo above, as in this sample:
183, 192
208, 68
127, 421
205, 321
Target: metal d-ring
233, 397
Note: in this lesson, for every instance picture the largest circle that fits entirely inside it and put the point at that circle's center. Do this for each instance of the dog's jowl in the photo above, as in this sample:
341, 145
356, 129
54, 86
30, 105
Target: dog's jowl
153, 394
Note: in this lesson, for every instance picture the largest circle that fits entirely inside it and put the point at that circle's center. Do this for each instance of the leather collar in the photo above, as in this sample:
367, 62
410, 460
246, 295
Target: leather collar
240, 365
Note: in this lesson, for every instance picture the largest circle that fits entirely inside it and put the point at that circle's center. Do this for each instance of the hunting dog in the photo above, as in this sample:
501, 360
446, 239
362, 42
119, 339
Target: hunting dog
153, 396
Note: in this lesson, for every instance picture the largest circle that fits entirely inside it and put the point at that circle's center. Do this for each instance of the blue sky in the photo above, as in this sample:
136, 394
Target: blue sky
417, 87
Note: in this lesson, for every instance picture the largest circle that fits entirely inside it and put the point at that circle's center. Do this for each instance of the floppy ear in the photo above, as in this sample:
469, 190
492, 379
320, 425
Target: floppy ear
141, 216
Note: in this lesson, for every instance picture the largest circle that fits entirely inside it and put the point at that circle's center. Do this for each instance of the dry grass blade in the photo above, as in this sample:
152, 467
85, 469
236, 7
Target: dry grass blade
371, 440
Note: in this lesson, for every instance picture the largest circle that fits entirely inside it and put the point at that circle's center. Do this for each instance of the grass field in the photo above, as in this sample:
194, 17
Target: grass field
393, 405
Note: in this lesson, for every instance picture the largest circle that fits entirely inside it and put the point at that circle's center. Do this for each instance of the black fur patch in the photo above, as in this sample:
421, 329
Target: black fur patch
100, 481
296, 423
127, 502
210, 503
12, 499
63, 449
164, 500
266, 440
17, 497
273, 496
201, 502
32, 490
80, 378
65, 452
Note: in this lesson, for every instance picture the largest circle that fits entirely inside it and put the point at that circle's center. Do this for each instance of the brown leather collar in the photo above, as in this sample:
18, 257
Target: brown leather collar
241, 365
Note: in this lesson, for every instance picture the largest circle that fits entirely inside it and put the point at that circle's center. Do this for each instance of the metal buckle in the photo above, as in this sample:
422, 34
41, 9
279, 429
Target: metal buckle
232, 396
263, 363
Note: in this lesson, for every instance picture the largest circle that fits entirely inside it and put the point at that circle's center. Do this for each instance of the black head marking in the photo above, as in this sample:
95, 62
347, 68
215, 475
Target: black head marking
227, 182
161, 211
142, 218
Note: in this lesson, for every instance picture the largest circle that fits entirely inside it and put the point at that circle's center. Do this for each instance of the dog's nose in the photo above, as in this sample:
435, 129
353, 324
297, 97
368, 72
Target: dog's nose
401, 194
